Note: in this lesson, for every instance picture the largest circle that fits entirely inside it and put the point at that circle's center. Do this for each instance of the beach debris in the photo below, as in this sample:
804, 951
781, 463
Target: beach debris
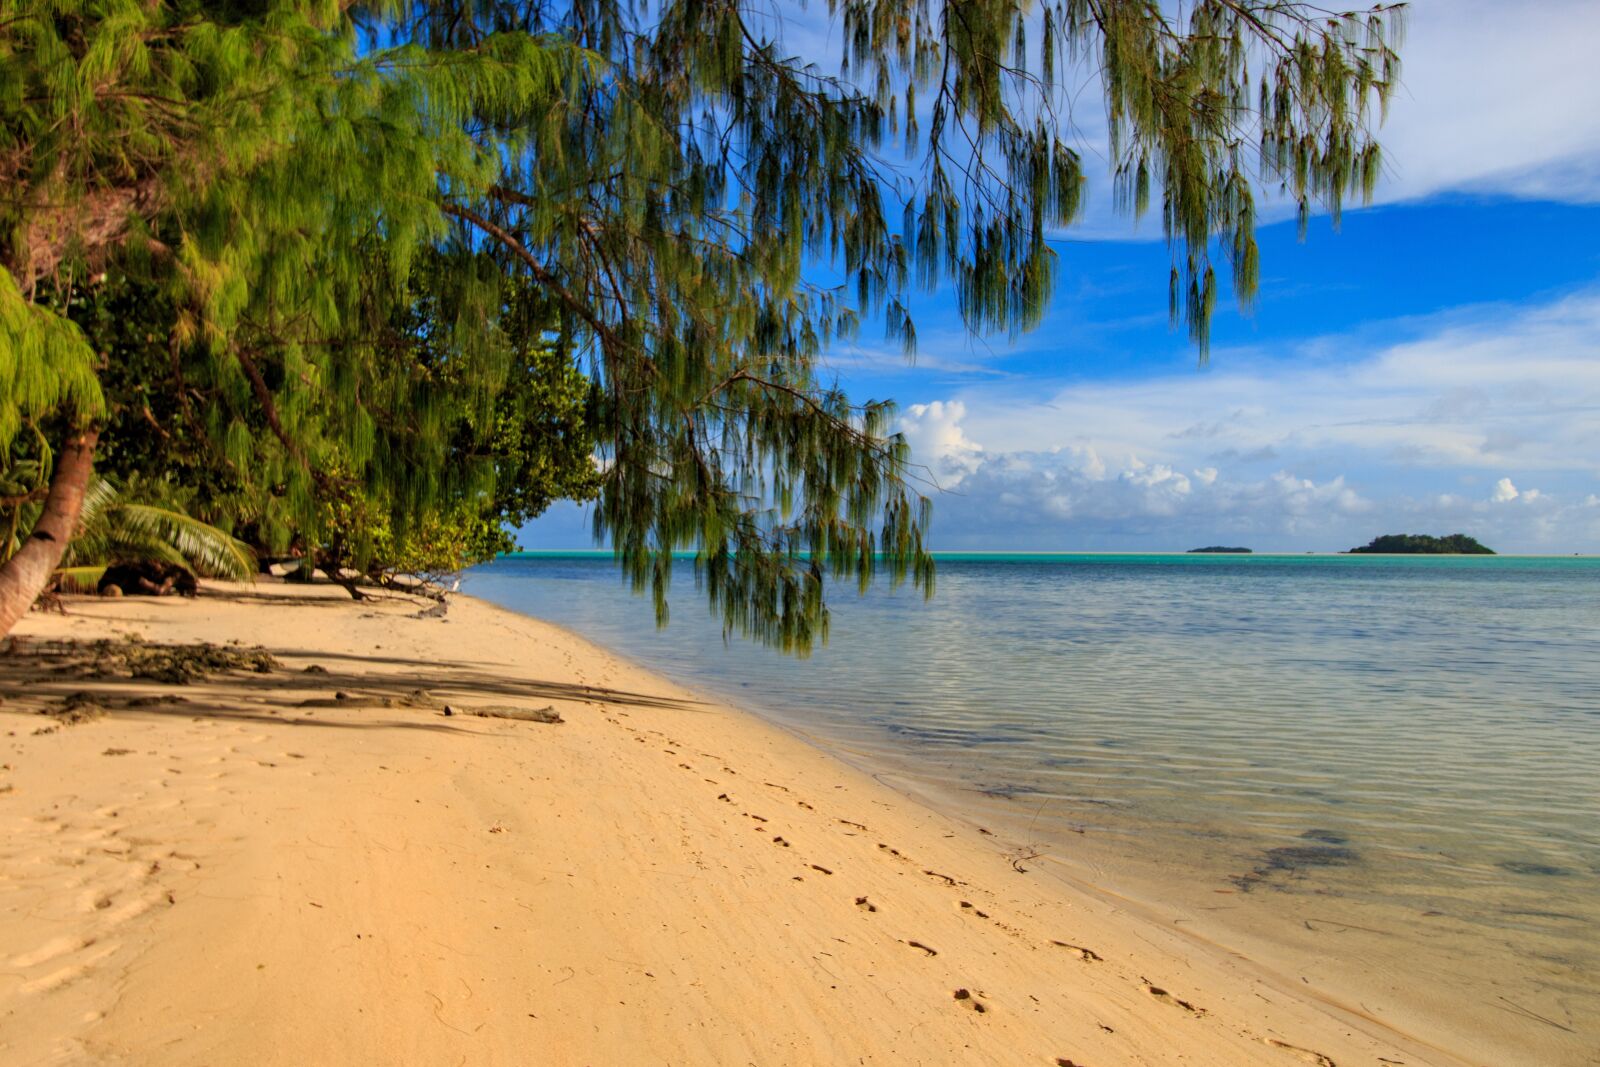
547, 714
416, 698
421, 698
1022, 857
153, 701
75, 708
315, 668
135, 658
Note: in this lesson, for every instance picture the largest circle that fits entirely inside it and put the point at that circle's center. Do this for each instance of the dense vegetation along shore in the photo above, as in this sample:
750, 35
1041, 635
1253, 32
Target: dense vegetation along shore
246, 868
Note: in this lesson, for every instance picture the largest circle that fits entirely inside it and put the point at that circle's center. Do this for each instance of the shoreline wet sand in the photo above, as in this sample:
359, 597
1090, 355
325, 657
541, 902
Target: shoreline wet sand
220, 871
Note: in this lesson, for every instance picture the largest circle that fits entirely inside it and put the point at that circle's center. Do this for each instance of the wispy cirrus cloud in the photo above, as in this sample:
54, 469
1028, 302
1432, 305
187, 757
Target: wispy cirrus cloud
1497, 98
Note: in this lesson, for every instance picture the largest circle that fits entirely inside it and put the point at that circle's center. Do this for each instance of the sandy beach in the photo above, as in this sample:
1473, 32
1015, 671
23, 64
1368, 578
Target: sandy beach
222, 873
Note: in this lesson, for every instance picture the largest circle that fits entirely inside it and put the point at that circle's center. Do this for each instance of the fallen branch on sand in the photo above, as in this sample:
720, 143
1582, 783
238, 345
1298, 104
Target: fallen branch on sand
421, 698
506, 711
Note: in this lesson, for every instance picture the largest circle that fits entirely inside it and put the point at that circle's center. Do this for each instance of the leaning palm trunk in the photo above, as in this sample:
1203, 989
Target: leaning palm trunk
24, 576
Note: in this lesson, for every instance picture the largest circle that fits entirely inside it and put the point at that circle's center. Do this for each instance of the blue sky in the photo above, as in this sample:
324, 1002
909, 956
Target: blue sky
1433, 366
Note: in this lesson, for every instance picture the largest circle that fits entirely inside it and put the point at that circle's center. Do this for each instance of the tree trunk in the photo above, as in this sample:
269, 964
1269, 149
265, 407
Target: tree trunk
24, 576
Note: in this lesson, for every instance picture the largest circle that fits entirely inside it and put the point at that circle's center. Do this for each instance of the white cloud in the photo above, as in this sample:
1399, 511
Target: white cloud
1489, 390
1435, 431
934, 433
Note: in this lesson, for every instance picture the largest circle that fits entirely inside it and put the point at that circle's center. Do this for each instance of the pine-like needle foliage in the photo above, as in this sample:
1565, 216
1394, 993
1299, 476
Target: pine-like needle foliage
673, 183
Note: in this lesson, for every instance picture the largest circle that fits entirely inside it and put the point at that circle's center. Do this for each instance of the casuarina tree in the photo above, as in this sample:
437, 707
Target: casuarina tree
705, 212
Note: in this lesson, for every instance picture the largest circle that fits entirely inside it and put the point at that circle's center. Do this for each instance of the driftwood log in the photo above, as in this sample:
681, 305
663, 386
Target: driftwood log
421, 698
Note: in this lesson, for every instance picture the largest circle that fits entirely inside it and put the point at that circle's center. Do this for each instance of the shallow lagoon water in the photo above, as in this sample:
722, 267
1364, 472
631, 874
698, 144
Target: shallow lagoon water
1379, 776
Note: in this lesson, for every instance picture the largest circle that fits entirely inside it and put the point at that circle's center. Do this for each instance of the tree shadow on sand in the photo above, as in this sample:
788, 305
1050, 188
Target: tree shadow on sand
139, 678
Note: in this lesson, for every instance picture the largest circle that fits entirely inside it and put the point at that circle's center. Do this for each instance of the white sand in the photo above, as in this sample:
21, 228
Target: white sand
241, 880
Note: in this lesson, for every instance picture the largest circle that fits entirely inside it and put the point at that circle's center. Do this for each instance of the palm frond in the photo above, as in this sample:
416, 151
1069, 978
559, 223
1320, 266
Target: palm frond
127, 546
79, 579
210, 551
100, 496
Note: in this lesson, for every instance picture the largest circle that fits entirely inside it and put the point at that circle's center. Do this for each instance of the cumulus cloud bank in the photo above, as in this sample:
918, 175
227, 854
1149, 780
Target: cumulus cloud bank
1488, 423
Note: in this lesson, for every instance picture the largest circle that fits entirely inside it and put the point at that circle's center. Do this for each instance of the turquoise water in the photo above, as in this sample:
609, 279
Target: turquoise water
1378, 774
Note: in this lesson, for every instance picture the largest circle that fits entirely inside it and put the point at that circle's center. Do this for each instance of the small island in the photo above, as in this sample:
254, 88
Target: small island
1221, 548
1425, 544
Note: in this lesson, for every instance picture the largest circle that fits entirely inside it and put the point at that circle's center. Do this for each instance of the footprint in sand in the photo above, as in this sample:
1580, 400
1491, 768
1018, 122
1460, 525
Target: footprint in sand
1302, 1053
51, 949
1167, 998
1089, 955
965, 998
865, 905
69, 973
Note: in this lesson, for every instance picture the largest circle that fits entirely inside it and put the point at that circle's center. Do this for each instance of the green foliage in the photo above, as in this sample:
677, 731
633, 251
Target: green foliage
345, 235
147, 522
24, 480
1220, 549
1425, 544
46, 366
487, 444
